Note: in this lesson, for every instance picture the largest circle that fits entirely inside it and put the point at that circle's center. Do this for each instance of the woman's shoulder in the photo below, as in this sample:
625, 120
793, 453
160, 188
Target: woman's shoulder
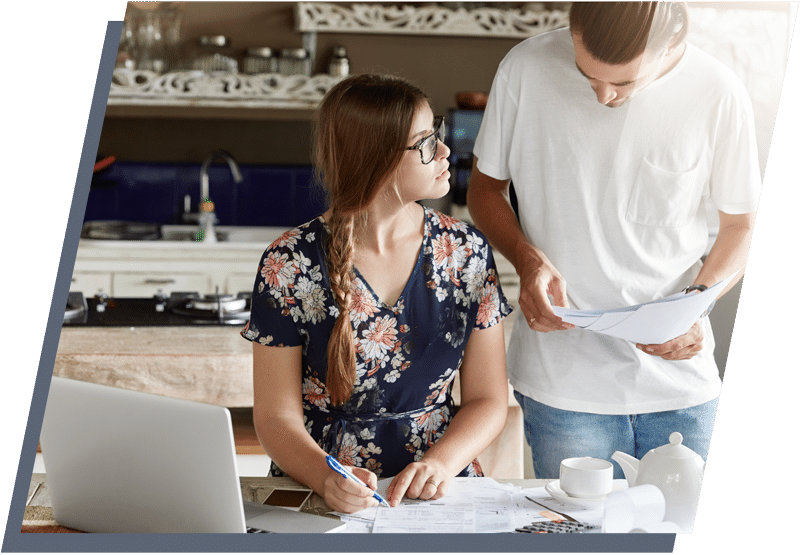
299, 238
444, 223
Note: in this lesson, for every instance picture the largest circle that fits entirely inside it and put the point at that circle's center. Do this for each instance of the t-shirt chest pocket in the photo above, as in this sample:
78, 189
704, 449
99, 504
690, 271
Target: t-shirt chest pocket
664, 198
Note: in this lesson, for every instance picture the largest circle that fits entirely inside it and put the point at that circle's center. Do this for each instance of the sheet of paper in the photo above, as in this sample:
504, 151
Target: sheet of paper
649, 323
472, 505
609, 320
425, 518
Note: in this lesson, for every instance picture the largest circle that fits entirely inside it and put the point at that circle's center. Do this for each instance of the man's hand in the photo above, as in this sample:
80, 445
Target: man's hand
538, 279
681, 348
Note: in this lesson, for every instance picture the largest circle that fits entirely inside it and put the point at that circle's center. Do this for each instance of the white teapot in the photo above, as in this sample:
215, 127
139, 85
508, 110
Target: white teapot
676, 470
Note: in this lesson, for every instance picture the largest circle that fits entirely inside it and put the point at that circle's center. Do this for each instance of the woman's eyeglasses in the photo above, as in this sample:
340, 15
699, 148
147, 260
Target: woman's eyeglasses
427, 145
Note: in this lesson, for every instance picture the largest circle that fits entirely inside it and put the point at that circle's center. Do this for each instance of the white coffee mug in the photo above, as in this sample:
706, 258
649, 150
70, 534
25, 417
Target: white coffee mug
638, 508
586, 477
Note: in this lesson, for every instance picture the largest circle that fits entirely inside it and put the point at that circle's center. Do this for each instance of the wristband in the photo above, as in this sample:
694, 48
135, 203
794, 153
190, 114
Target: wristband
691, 288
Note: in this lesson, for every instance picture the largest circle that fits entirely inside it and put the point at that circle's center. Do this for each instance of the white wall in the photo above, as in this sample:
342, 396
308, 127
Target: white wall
752, 39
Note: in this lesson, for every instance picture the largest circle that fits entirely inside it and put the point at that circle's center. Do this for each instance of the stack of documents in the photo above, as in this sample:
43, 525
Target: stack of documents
650, 323
472, 505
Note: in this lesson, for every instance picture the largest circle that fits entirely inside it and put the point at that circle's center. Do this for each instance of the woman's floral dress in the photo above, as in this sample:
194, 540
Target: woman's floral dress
407, 355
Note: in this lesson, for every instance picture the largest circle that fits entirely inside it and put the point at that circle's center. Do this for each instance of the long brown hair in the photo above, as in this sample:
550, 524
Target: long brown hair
618, 32
360, 132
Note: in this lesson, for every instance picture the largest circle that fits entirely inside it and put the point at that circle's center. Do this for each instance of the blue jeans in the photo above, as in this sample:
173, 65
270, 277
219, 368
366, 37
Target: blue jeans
555, 434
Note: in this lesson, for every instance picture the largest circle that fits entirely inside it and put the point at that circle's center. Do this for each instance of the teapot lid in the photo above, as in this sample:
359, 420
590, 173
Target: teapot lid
675, 449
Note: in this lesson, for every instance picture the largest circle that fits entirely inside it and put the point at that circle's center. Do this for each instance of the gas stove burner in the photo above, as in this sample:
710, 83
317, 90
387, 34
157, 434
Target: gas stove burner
227, 309
173, 309
222, 303
76, 308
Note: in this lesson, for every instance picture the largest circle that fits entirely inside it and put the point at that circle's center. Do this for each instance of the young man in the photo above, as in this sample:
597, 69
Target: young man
614, 132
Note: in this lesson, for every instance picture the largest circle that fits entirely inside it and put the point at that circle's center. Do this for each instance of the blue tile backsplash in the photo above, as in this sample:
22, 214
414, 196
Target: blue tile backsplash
284, 196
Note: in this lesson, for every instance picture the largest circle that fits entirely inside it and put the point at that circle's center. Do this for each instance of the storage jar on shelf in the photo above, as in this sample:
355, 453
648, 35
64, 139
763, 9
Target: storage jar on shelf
214, 54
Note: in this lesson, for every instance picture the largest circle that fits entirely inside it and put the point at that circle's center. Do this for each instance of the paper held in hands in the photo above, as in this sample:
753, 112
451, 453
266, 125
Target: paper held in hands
650, 323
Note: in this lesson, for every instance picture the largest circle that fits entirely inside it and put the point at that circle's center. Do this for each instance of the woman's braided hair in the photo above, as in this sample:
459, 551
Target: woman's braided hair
360, 133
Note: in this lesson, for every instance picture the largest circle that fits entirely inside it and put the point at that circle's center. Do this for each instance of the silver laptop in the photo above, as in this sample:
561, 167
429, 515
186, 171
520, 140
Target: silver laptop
124, 461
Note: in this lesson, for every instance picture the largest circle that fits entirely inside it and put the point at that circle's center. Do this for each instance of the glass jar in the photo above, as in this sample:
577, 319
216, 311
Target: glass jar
150, 45
294, 61
338, 64
214, 55
259, 60
151, 36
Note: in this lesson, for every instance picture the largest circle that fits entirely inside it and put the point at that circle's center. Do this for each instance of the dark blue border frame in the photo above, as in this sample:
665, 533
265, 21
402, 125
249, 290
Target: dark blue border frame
16, 541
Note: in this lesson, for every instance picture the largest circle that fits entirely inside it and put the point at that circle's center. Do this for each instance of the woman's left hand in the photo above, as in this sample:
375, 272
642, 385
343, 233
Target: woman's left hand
418, 480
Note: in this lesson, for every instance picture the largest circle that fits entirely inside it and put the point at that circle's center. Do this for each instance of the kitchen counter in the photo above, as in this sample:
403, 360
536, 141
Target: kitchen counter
214, 364
211, 364
207, 364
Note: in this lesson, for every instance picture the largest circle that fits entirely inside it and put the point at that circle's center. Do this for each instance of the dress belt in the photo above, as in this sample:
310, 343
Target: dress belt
331, 442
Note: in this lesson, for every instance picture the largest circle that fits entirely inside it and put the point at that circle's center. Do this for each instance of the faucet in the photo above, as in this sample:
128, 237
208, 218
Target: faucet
206, 216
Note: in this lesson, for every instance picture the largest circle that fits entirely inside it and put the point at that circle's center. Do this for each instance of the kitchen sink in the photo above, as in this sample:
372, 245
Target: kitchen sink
185, 233
145, 232
227, 234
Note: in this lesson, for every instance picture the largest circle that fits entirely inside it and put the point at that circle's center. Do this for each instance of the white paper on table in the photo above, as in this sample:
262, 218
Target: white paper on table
472, 505
650, 323
421, 518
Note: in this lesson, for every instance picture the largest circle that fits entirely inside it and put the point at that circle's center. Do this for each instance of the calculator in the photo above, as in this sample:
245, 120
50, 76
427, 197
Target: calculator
556, 527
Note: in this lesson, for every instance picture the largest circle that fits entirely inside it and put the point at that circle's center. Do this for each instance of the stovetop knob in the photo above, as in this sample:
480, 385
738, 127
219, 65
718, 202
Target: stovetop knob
161, 300
102, 301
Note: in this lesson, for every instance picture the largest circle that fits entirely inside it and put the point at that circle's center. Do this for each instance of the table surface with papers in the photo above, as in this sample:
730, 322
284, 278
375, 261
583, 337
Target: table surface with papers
472, 505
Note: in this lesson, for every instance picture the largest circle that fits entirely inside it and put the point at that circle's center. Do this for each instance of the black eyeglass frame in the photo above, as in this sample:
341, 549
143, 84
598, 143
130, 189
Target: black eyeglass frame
438, 122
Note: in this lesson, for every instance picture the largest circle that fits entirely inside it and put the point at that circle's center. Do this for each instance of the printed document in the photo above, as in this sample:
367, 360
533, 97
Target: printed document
650, 323
472, 505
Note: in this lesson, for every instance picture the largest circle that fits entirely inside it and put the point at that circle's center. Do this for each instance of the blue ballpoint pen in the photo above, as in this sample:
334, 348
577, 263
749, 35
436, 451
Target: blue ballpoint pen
334, 464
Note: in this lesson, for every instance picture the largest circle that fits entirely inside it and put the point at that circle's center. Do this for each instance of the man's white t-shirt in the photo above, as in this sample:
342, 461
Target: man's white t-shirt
615, 198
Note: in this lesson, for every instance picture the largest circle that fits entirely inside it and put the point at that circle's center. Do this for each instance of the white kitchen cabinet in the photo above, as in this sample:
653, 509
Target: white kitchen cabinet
91, 283
129, 284
240, 282
142, 268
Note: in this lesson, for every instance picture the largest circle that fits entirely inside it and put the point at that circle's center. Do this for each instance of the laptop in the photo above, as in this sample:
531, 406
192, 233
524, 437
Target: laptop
124, 461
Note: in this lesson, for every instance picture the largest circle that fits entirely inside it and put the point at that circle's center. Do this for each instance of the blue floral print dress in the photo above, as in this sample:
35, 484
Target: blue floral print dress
407, 355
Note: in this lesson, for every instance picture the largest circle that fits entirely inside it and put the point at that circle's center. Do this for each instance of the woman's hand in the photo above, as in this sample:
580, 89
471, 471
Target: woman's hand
346, 496
418, 480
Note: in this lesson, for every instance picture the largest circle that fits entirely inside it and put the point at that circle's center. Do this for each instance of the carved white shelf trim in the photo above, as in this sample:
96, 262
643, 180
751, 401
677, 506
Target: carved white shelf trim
327, 17
199, 89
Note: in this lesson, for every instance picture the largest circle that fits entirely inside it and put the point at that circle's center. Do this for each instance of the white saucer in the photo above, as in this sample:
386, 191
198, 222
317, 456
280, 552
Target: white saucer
554, 489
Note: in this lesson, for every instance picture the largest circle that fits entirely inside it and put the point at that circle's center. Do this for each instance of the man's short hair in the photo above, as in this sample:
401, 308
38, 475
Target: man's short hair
618, 32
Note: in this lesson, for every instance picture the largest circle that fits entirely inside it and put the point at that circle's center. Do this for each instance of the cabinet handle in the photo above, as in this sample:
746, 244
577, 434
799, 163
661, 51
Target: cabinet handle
159, 281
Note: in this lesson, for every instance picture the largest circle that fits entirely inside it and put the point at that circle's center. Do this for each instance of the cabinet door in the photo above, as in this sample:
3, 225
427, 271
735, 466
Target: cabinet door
130, 284
90, 283
240, 282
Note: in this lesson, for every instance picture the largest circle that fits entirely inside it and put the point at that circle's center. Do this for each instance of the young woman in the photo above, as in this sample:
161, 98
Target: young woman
362, 317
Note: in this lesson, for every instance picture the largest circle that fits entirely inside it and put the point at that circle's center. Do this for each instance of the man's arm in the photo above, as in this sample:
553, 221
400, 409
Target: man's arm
728, 255
489, 204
